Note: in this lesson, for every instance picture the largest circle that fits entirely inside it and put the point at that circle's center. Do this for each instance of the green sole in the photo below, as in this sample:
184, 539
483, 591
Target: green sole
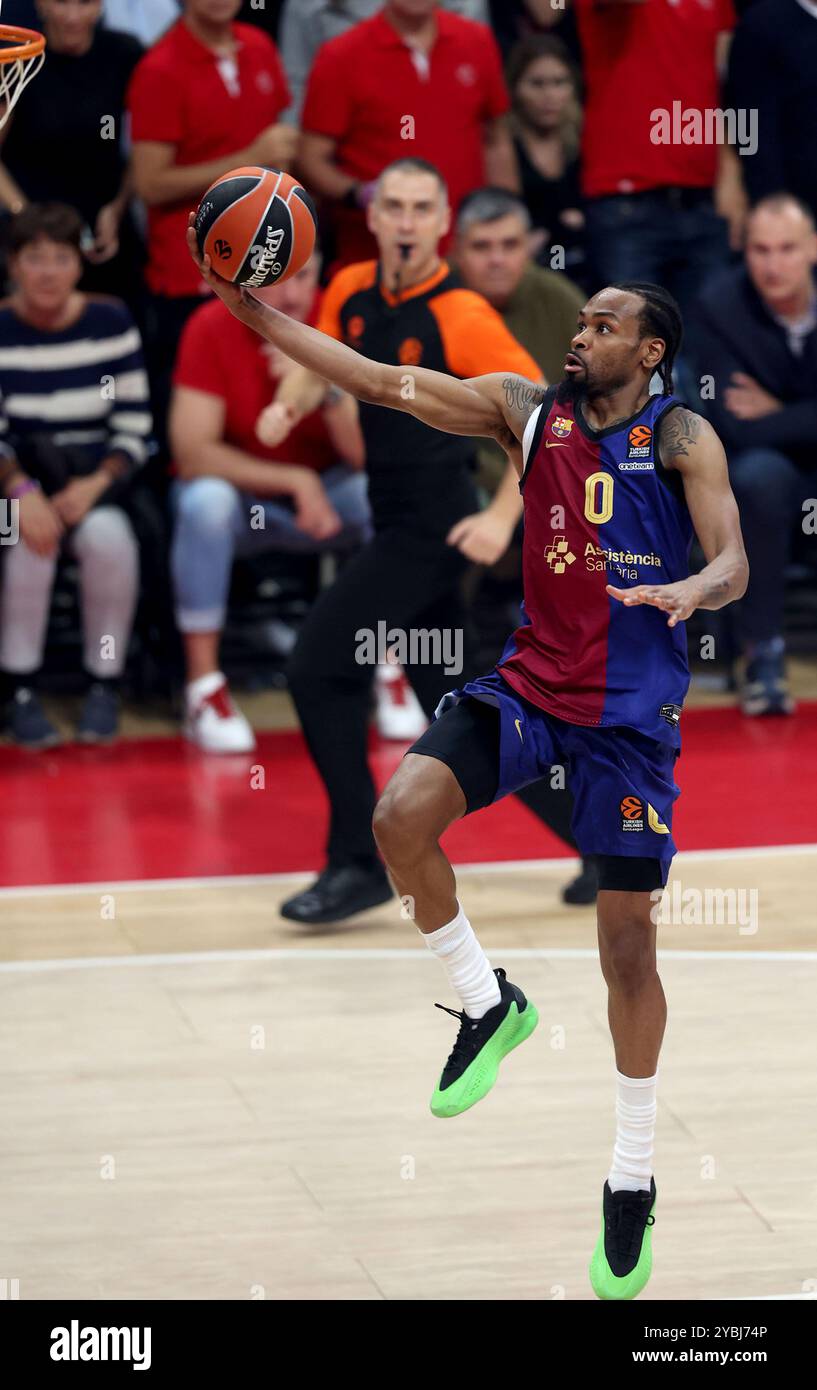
607, 1285
477, 1081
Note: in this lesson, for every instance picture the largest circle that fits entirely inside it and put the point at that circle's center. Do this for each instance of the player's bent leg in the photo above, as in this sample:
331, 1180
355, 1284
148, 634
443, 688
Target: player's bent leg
420, 802
637, 1012
423, 798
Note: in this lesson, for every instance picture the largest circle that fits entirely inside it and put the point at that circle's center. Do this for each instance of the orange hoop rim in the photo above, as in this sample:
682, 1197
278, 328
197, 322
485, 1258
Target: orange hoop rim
27, 43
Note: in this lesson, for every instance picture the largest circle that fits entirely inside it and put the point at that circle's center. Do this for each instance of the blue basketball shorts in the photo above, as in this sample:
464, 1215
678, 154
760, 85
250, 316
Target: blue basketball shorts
495, 742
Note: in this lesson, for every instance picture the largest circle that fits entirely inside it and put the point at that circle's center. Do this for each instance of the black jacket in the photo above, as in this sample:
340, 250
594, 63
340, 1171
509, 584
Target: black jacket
731, 330
773, 71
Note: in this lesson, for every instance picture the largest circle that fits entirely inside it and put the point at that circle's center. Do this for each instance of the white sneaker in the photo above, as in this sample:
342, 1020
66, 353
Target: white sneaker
399, 714
212, 721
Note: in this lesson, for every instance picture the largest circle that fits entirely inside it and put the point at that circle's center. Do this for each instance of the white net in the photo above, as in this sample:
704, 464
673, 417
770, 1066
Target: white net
22, 54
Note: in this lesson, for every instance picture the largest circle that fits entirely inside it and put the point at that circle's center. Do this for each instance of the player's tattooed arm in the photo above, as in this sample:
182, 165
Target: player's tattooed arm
495, 406
520, 398
480, 406
681, 431
689, 445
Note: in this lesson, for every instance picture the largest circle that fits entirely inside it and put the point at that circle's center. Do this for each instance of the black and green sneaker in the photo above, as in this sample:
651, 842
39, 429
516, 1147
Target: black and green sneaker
622, 1259
472, 1068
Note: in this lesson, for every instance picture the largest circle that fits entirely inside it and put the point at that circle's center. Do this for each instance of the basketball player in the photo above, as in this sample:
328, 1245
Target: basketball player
614, 480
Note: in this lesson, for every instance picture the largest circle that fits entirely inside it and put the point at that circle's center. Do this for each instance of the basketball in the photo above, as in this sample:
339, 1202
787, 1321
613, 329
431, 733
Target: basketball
257, 226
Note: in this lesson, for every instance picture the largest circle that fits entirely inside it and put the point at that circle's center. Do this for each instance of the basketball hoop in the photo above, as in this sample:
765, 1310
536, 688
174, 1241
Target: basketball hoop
22, 54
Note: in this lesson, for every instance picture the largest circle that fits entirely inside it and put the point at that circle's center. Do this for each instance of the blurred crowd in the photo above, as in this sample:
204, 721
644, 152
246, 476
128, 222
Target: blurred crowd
154, 445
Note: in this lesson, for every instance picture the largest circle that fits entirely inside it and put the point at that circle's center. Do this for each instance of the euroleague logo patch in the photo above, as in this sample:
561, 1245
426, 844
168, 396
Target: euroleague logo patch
639, 450
632, 813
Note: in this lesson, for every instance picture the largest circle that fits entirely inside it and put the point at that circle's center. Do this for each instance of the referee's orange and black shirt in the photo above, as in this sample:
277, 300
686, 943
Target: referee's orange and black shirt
418, 475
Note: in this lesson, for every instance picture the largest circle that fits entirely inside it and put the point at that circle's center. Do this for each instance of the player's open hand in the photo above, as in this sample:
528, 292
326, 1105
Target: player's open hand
678, 600
238, 301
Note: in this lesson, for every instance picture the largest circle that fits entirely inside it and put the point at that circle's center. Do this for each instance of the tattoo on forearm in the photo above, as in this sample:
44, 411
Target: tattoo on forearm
681, 429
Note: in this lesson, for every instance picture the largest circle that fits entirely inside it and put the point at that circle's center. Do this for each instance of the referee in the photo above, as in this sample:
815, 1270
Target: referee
406, 308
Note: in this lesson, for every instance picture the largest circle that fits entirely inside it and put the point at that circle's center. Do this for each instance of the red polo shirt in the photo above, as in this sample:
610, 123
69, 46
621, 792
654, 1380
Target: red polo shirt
182, 94
223, 357
638, 59
365, 83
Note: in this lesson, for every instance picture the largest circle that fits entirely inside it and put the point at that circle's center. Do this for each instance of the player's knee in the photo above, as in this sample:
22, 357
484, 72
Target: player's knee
395, 823
403, 822
627, 955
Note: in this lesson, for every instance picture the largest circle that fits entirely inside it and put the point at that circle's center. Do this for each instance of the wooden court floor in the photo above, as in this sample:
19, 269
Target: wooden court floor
201, 1102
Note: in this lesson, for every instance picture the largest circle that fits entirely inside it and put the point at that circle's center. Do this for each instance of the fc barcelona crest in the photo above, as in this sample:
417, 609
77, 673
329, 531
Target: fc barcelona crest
561, 426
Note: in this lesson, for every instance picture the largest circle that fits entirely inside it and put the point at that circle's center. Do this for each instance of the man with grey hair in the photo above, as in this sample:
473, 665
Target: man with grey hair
493, 254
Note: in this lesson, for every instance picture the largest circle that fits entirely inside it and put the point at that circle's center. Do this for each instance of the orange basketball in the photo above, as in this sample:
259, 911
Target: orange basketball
257, 226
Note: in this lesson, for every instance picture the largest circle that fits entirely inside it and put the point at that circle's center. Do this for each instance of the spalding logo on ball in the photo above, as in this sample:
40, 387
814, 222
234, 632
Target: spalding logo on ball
257, 226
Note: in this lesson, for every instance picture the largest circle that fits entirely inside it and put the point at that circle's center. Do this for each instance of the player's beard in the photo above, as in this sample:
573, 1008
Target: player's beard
581, 386
571, 389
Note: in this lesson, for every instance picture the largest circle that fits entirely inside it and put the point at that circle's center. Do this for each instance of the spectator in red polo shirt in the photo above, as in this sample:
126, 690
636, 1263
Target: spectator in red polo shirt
235, 495
205, 99
655, 211
414, 81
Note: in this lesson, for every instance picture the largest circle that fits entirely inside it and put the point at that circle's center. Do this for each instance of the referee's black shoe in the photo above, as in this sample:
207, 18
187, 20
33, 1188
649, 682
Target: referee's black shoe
583, 889
338, 893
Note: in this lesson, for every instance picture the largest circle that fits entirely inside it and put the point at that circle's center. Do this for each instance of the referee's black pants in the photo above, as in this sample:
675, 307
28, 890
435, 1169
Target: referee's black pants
410, 579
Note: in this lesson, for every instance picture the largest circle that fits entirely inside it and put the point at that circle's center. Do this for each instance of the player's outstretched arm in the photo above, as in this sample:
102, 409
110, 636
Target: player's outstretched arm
689, 444
490, 406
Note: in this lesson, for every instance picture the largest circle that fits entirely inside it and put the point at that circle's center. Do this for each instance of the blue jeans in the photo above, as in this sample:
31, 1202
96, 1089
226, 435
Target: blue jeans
670, 237
212, 524
770, 492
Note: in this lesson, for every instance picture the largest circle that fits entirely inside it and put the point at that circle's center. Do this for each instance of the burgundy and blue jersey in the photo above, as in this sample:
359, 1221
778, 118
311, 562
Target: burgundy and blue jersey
600, 509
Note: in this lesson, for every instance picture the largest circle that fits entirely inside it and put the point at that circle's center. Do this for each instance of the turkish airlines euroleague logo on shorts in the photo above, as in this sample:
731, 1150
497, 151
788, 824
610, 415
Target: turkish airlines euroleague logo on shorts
632, 813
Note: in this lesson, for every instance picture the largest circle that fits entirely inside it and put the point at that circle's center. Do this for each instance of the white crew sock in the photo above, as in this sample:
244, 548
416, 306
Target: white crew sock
469, 969
636, 1109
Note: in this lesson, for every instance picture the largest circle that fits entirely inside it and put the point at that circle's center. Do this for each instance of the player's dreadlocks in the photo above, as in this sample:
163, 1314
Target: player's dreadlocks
660, 318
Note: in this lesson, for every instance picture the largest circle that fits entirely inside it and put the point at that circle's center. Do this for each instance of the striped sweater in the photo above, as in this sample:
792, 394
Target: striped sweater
84, 386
